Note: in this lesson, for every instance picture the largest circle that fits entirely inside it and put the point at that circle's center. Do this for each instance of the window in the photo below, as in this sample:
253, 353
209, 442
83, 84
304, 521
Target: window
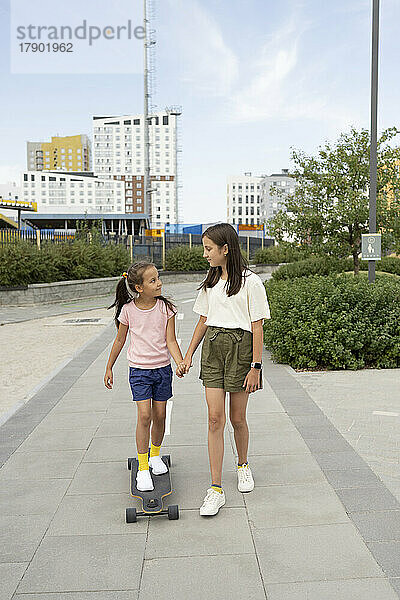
136, 121
43, 178
128, 122
165, 120
33, 178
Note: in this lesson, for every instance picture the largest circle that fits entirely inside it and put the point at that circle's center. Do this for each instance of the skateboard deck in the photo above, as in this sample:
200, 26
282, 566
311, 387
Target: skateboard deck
153, 501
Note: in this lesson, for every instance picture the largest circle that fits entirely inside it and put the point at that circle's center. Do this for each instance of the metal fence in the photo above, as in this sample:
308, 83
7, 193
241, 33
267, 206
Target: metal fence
10, 236
143, 247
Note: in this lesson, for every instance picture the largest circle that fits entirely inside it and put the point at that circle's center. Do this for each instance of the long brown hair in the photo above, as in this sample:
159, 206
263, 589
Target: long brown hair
126, 290
236, 264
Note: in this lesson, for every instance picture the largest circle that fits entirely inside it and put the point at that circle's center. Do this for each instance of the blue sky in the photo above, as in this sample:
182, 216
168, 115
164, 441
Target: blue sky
254, 78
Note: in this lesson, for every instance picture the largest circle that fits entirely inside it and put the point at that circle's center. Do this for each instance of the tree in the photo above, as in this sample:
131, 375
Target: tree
329, 209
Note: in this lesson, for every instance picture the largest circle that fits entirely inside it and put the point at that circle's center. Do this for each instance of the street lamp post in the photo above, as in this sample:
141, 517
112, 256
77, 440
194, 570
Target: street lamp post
374, 119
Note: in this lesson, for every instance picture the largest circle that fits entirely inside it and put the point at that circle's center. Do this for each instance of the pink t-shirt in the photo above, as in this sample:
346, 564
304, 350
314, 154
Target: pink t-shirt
147, 328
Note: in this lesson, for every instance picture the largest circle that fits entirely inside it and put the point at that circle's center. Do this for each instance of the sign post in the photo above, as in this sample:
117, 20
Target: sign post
374, 121
371, 247
163, 250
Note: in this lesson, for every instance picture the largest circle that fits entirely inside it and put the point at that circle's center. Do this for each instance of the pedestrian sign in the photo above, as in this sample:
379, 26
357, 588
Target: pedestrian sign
371, 246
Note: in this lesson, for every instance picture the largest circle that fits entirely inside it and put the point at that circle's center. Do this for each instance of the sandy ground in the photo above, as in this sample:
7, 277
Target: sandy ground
32, 350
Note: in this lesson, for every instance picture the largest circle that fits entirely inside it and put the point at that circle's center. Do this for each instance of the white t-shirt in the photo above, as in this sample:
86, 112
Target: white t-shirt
238, 311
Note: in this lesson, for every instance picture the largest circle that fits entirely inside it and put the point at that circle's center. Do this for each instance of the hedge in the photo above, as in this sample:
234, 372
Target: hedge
388, 264
325, 265
22, 263
334, 322
184, 258
274, 255
317, 265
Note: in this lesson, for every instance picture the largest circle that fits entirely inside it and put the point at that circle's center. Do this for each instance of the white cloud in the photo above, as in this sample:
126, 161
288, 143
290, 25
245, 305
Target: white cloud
208, 63
278, 84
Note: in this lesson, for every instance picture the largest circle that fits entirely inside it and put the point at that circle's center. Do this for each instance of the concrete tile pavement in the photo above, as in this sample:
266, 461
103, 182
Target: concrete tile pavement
319, 524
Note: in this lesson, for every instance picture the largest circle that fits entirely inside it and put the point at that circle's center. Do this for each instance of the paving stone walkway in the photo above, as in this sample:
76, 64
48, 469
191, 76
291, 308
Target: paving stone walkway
320, 524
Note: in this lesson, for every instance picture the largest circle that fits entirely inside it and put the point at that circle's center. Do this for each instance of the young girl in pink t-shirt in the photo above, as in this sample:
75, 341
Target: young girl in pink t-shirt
150, 320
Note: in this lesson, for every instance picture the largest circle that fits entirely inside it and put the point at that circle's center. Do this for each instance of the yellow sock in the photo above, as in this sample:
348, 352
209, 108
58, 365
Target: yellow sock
154, 450
217, 488
143, 461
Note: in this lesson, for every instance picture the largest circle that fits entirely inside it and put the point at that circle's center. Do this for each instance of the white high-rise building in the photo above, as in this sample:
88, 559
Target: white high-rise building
274, 188
243, 199
118, 153
253, 200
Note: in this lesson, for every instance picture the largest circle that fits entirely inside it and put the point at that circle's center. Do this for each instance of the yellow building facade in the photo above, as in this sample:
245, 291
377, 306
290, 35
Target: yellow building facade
69, 153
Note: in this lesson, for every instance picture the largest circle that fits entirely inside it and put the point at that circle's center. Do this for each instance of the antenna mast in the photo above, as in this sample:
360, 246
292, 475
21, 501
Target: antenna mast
147, 194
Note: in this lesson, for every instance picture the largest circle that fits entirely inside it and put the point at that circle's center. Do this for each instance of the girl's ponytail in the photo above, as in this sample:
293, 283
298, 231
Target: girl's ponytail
122, 296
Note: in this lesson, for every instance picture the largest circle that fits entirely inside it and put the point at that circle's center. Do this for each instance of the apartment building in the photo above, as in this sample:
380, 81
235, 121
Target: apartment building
253, 200
72, 193
243, 199
119, 154
274, 189
70, 153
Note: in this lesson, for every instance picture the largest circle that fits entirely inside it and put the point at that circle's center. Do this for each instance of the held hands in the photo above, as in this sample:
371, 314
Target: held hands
252, 380
184, 366
108, 378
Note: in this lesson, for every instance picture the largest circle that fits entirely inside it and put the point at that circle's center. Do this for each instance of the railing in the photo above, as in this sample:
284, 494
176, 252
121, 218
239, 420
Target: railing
143, 247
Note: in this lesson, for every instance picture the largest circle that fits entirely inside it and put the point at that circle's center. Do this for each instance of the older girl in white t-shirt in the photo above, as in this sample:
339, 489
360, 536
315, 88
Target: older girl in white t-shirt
232, 304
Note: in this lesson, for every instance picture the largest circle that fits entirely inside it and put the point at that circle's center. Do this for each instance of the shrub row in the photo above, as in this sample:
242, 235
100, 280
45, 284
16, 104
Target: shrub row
183, 258
334, 322
325, 265
317, 265
23, 263
388, 264
273, 255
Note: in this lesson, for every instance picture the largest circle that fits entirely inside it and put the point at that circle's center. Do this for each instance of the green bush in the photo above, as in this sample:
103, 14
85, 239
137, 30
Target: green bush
334, 322
388, 264
23, 263
317, 265
274, 255
324, 265
183, 258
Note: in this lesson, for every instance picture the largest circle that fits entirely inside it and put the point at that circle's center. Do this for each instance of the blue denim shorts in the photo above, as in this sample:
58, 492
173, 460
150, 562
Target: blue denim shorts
151, 383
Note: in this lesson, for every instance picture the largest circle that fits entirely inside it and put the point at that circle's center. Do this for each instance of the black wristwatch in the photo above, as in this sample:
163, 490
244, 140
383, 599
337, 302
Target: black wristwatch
255, 365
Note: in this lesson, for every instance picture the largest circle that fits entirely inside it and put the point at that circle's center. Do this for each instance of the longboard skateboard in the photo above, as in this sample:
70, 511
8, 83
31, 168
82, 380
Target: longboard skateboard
153, 501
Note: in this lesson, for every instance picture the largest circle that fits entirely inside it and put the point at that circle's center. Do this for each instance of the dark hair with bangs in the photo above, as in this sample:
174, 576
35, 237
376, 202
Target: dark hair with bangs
236, 264
126, 290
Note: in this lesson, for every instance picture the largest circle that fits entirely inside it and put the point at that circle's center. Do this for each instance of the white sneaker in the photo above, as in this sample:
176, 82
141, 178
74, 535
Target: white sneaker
212, 503
245, 479
144, 482
158, 465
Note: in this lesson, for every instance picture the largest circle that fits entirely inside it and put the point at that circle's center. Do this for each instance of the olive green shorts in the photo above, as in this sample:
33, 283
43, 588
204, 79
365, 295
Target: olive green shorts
226, 358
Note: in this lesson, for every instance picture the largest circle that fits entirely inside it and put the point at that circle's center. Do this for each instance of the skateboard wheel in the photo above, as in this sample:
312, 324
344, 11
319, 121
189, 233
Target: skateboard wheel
129, 463
166, 458
130, 515
173, 512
